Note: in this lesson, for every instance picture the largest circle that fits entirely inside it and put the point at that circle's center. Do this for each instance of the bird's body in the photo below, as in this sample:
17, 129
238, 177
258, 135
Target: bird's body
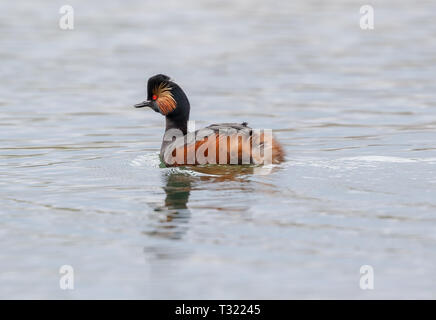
223, 143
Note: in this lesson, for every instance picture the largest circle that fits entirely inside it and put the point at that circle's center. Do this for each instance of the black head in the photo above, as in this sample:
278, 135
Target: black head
166, 97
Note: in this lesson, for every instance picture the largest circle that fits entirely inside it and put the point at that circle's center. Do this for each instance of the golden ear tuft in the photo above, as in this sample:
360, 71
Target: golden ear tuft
165, 100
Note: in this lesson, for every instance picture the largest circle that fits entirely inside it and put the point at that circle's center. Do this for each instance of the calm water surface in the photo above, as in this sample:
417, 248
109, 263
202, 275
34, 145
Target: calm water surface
80, 182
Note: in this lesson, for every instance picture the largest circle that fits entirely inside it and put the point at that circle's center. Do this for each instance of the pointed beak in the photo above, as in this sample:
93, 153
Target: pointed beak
143, 104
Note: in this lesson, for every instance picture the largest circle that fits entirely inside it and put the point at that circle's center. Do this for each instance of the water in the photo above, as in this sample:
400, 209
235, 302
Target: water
80, 178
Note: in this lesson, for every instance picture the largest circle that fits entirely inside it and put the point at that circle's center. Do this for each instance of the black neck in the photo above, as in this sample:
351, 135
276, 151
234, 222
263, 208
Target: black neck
177, 119
181, 124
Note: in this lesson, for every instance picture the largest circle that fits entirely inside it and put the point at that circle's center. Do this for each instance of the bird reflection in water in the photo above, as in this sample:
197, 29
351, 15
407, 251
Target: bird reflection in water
174, 214
172, 222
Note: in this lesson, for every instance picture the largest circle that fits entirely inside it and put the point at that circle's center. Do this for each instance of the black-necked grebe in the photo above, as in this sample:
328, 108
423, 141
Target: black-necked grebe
223, 143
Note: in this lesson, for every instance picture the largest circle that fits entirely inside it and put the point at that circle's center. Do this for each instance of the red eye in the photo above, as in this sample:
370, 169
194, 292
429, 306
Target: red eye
154, 97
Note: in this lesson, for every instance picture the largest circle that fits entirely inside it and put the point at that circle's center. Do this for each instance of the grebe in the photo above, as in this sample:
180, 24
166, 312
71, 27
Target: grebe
223, 143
